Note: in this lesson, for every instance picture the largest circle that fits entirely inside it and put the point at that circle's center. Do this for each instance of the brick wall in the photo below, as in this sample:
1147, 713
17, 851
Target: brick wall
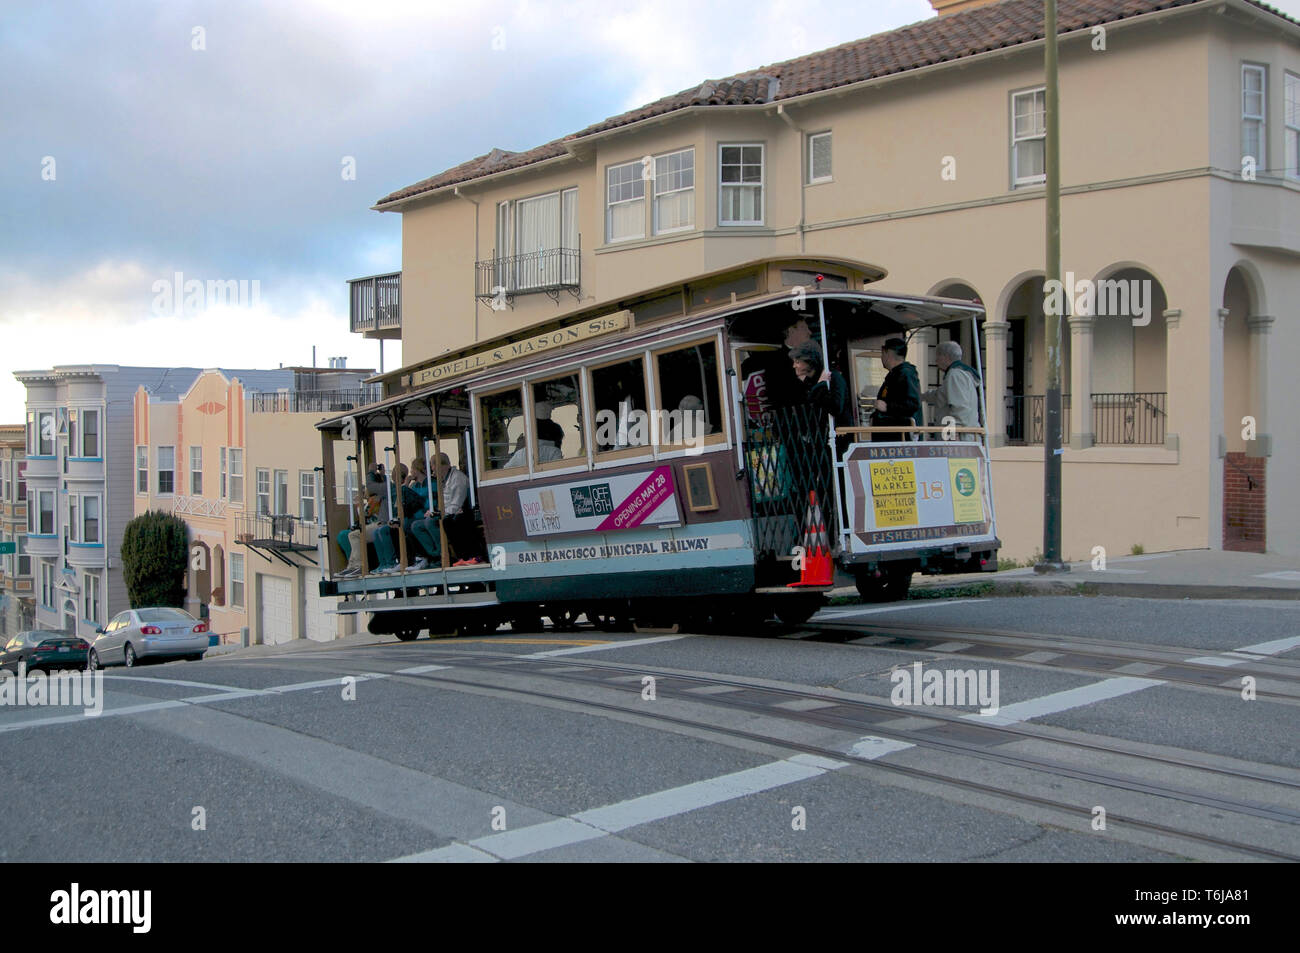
1243, 505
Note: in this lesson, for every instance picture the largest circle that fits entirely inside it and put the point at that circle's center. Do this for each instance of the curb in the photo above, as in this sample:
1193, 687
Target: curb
1063, 586
1139, 590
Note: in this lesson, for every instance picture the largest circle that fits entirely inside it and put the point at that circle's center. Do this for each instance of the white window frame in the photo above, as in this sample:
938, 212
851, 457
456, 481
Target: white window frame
665, 193
1291, 123
812, 139
40, 530
724, 188
236, 573
223, 473
1261, 160
23, 559
236, 461
74, 517
196, 471
162, 469
141, 473
44, 447
1017, 179
262, 491
279, 483
90, 597
307, 495
85, 516
90, 413
47, 585
507, 273
637, 182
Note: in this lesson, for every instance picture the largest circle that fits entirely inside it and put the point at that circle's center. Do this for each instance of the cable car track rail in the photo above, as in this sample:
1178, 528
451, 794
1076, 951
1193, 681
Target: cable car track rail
506, 663
1072, 648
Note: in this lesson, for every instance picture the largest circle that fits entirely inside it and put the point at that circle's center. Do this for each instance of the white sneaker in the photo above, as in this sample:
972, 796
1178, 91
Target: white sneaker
420, 563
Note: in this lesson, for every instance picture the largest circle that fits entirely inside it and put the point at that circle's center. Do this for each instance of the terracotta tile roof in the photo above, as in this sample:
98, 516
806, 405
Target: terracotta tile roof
941, 39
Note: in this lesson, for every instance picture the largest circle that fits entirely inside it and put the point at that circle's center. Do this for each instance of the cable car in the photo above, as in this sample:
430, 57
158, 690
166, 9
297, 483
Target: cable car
655, 462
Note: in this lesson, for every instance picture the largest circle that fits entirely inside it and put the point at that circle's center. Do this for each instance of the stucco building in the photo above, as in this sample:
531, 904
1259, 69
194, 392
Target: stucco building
921, 150
236, 456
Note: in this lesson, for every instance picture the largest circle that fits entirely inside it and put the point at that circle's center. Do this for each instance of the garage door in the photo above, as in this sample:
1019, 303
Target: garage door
275, 614
320, 626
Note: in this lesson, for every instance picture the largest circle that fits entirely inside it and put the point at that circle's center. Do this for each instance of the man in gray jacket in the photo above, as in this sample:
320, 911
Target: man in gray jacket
958, 396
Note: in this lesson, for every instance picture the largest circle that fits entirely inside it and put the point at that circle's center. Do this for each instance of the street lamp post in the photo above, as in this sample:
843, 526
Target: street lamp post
1052, 450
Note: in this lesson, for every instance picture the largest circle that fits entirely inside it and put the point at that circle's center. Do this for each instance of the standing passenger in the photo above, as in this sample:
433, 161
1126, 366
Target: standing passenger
898, 402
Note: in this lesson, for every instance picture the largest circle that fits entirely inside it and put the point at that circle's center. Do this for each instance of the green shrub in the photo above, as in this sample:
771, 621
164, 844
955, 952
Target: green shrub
155, 555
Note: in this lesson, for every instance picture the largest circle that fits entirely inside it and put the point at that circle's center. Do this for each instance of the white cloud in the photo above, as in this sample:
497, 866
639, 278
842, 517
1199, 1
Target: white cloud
95, 317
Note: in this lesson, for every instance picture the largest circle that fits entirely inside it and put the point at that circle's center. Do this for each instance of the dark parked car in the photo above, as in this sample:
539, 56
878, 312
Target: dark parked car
44, 651
138, 634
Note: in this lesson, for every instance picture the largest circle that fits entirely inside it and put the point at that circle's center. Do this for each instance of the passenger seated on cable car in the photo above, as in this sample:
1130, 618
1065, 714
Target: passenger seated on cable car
458, 517
689, 426
352, 544
415, 503
550, 436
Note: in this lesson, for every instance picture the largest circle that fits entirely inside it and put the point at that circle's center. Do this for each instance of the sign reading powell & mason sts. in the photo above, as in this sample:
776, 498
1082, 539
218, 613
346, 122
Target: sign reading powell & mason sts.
538, 343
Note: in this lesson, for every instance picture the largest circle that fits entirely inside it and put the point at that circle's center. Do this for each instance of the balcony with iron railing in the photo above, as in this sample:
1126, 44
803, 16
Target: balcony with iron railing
1117, 419
375, 306
548, 271
313, 401
277, 532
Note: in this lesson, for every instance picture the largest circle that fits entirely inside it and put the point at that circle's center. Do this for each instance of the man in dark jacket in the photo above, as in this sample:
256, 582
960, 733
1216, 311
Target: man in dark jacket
898, 402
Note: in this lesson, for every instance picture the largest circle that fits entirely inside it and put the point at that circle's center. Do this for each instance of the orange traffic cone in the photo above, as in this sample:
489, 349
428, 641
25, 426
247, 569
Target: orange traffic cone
818, 569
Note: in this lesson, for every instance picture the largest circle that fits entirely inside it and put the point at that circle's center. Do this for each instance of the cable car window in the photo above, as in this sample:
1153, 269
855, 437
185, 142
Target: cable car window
557, 406
619, 402
689, 394
501, 424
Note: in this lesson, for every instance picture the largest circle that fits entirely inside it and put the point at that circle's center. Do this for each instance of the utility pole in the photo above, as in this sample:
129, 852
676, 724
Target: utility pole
1051, 310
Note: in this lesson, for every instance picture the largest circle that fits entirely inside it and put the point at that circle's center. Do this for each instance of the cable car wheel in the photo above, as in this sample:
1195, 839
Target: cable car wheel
796, 610
608, 619
891, 585
564, 619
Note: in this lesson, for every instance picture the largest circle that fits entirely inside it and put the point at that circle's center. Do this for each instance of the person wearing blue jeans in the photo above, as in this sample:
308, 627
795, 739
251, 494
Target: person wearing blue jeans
353, 542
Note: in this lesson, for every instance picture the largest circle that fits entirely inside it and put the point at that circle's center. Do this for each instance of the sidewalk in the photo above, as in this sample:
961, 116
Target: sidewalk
298, 645
1185, 574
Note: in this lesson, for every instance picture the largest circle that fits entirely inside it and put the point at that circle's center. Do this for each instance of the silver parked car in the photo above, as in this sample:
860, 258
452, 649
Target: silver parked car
138, 634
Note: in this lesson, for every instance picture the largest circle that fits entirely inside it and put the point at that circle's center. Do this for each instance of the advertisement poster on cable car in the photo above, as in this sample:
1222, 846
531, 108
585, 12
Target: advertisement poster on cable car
601, 504
899, 495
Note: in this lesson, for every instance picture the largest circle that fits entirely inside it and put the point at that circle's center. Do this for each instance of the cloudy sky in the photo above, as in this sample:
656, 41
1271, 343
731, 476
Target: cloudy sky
146, 139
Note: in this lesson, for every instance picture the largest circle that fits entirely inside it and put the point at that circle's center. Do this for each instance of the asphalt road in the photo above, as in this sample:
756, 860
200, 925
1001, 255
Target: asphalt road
779, 745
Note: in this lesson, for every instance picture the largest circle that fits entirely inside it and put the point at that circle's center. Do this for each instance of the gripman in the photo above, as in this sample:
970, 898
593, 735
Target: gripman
102, 906
950, 688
